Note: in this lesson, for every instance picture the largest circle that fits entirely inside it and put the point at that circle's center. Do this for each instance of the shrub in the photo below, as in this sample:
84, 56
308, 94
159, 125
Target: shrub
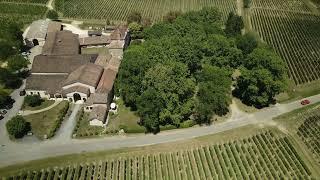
33, 100
18, 127
59, 120
187, 124
52, 15
246, 3
167, 127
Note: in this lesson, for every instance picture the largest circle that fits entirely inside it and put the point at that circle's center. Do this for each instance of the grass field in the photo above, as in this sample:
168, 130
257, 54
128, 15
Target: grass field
44, 104
245, 153
120, 9
44, 123
20, 13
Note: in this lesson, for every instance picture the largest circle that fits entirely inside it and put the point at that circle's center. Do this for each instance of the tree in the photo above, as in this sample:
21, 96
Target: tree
6, 50
214, 94
33, 100
171, 16
172, 92
234, 25
135, 30
52, 14
262, 78
9, 79
246, 3
18, 127
5, 99
134, 17
247, 43
16, 63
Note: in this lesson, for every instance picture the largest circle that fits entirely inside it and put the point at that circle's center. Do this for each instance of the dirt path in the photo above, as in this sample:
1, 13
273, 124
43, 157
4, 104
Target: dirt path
240, 7
25, 113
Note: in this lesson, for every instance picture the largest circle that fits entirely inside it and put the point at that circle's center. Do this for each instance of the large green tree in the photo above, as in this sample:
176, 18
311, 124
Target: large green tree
174, 94
16, 63
18, 127
262, 78
214, 94
234, 25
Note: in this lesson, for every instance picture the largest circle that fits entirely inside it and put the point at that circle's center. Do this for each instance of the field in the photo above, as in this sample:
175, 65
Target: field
20, 13
265, 155
26, 1
120, 9
293, 31
309, 132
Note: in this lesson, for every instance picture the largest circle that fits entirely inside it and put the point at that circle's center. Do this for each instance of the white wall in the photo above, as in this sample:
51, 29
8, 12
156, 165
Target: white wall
96, 122
92, 89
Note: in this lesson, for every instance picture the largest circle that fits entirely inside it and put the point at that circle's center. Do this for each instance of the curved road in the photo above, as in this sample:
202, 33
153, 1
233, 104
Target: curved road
17, 152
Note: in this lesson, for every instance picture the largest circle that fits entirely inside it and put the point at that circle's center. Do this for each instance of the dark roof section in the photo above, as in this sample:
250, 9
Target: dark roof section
54, 26
94, 41
95, 33
60, 64
97, 98
88, 74
106, 81
99, 113
61, 43
119, 33
49, 83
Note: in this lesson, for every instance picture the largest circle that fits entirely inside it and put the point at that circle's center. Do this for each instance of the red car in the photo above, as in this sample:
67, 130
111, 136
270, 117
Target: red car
305, 102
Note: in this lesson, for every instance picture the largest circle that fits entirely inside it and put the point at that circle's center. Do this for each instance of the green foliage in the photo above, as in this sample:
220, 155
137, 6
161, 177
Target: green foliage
247, 43
167, 98
171, 16
6, 50
134, 17
5, 99
9, 79
135, 30
234, 25
33, 100
52, 14
263, 77
214, 94
58, 121
16, 63
18, 127
247, 3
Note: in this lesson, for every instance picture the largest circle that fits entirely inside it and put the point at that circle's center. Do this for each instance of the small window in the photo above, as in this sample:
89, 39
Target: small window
87, 108
31, 93
91, 108
38, 93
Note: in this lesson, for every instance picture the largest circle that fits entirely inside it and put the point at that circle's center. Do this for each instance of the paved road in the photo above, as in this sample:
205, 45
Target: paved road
13, 153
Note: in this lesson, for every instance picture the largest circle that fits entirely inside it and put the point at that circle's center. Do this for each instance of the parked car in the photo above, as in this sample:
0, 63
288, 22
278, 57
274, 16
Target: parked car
1, 117
22, 93
305, 102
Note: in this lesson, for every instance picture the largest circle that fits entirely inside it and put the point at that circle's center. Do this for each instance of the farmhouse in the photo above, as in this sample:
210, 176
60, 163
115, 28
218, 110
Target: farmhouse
62, 72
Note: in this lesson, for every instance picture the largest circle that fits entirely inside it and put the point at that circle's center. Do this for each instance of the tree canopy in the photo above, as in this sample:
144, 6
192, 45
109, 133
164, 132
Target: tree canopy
182, 71
18, 127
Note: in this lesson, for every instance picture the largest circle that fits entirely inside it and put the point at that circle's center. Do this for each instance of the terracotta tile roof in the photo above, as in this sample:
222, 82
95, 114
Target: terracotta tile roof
94, 41
106, 81
61, 43
119, 34
103, 60
99, 113
60, 64
88, 74
49, 83
54, 26
97, 98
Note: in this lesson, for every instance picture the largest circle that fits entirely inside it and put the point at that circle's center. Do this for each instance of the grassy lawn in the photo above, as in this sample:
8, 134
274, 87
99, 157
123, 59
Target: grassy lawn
83, 128
297, 92
44, 104
124, 119
43, 123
